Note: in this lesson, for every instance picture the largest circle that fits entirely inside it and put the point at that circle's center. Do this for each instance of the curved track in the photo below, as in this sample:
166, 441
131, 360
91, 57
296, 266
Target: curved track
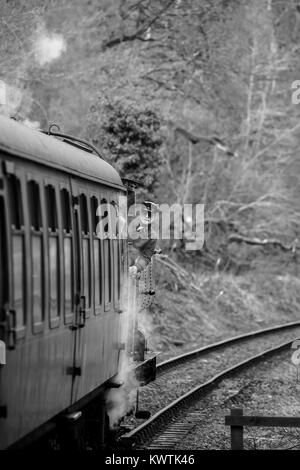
173, 362
162, 418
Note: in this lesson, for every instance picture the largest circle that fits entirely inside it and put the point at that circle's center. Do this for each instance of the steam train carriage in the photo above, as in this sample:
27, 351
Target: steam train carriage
60, 285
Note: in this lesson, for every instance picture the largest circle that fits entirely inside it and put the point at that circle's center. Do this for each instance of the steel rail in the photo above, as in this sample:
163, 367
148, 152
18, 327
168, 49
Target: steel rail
170, 363
161, 419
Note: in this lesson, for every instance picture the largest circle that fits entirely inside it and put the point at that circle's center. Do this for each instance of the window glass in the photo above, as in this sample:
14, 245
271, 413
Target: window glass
66, 210
3, 259
110, 270
97, 277
107, 245
35, 221
34, 203
68, 269
84, 219
86, 270
15, 201
68, 250
94, 217
54, 277
97, 254
84, 214
18, 278
17, 256
37, 276
53, 246
104, 218
51, 208
119, 267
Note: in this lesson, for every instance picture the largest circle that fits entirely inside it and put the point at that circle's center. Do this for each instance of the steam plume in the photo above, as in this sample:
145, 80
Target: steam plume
48, 47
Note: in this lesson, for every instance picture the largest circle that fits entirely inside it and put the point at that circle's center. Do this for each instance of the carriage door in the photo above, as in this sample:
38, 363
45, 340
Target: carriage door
79, 307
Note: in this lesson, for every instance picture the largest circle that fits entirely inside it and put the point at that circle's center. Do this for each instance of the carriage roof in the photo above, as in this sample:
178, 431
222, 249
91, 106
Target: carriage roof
21, 141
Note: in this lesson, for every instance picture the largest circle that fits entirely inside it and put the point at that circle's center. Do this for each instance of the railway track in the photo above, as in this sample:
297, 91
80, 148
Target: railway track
167, 416
182, 358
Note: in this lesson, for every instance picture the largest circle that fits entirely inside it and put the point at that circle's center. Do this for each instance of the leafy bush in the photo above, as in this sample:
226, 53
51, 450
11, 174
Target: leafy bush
130, 140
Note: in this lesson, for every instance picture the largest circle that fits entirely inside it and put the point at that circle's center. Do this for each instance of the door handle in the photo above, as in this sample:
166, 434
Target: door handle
82, 313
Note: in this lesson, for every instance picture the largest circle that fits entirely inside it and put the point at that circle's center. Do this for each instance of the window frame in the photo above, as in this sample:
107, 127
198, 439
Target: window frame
12, 230
53, 230
38, 232
4, 258
98, 308
116, 261
85, 235
67, 232
108, 291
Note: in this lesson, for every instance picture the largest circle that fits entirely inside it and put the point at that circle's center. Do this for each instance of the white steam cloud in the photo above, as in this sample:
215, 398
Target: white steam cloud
48, 47
44, 47
121, 401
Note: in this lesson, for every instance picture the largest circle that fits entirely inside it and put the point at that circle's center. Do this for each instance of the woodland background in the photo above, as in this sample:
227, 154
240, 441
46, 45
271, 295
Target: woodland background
194, 98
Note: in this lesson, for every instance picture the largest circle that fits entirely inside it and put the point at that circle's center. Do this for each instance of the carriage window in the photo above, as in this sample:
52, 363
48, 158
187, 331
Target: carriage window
3, 261
66, 210
17, 244
115, 251
15, 201
35, 220
119, 267
18, 263
51, 208
104, 215
68, 268
107, 247
68, 250
97, 255
94, 207
84, 214
37, 279
34, 205
109, 270
85, 248
98, 277
54, 272
106, 251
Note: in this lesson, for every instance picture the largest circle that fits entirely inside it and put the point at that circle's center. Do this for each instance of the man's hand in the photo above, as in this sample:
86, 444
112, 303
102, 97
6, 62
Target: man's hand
133, 271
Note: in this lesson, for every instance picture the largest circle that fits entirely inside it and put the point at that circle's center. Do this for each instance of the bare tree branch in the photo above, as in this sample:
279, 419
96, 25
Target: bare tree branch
137, 34
267, 241
214, 140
